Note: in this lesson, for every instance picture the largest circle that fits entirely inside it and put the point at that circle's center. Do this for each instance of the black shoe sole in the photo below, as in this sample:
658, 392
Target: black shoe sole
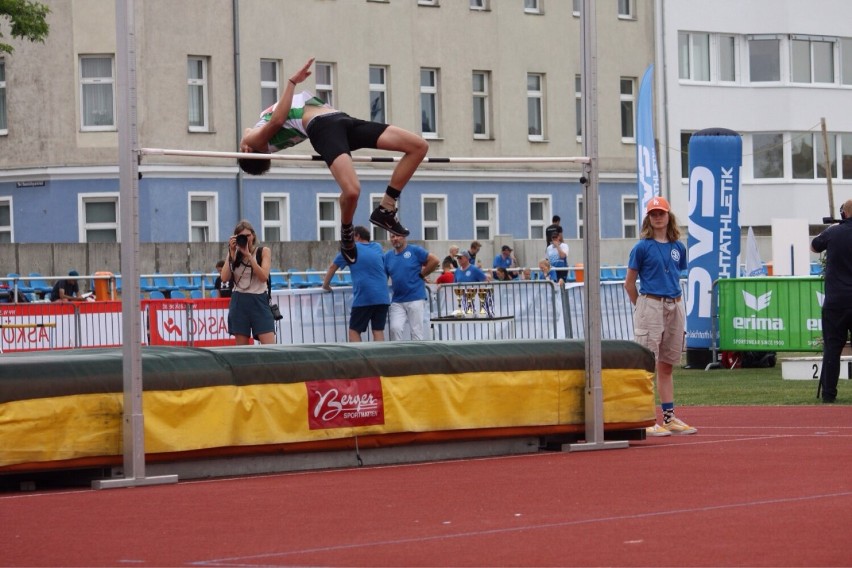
389, 228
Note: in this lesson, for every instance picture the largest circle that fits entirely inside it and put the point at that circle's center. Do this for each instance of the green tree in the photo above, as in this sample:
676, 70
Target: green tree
27, 20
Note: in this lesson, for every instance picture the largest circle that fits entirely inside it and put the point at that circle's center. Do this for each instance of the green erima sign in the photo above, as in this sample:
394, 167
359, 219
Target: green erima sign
770, 314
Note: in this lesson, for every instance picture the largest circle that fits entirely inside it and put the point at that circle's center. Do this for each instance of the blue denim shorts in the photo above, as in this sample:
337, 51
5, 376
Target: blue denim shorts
249, 315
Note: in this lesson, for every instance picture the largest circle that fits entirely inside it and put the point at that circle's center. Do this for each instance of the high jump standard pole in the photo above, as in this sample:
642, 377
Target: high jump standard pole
133, 423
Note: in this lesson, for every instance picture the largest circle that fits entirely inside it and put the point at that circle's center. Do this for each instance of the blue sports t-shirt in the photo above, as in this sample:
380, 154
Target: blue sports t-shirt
404, 270
659, 266
369, 279
472, 274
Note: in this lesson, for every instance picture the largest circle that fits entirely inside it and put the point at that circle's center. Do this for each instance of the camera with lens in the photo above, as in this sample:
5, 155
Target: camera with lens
276, 312
242, 241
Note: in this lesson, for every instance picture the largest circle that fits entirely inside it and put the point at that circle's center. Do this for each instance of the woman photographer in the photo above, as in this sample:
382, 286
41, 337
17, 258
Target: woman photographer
249, 314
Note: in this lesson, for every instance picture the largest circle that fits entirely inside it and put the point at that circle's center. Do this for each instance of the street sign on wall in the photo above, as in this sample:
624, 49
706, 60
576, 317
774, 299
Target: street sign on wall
770, 314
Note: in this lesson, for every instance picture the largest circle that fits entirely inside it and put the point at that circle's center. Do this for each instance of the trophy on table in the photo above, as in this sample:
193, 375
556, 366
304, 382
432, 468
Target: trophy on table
469, 294
459, 312
482, 293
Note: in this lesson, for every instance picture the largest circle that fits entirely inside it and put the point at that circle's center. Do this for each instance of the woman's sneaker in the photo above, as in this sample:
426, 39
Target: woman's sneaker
677, 426
387, 220
656, 431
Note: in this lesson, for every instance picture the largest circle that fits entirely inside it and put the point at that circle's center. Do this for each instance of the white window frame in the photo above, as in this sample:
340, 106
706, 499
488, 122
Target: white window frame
282, 224
4, 115
380, 90
576, 7
377, 233
84, 227
717, 68
629, 226
546, 215
270, 86
479, 5
334, 222
10, 228
688, 56
429, 96
626, 9
627, 99
89, 81
211, 200
845, 64
578, 106
536, 95
755, 152
439, 224
484, 98
428, 2
581, 225
198, 83
491, 224
812, 40
781, 58
325, 89
533, 7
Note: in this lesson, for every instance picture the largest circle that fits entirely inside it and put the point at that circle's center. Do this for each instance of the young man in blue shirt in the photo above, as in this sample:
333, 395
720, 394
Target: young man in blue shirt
409, 267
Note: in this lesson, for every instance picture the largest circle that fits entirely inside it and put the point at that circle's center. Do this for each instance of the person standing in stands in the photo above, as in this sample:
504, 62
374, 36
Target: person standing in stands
552, 229
506, 261
836, 242
370, 297
659, 320
222, 287
409, 267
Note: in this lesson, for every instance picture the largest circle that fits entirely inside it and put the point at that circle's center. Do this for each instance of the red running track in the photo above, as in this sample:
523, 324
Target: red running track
757, 486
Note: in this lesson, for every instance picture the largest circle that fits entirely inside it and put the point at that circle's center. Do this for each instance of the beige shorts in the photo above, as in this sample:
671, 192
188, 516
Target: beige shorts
659, 325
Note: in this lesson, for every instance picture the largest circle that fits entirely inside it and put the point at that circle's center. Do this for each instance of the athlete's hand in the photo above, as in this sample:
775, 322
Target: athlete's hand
302, 73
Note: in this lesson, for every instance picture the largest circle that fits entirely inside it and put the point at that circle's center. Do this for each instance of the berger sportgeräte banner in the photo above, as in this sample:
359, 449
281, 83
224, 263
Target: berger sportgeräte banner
771, 314
715, 157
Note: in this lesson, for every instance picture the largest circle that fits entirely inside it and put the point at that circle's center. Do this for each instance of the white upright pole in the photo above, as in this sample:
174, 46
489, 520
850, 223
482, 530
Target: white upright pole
133, 423
591, 244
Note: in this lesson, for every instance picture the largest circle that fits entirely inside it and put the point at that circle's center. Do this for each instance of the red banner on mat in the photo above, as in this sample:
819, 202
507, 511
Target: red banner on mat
345, 403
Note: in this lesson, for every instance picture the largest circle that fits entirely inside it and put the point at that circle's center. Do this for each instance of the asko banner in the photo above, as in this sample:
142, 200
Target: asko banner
771, 314
345, 403
715, 157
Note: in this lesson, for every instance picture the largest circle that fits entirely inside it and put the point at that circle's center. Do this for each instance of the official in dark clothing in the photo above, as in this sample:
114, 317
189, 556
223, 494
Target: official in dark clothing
836, 241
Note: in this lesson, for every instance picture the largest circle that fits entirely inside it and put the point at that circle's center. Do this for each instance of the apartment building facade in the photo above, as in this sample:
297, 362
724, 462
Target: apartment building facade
482, 78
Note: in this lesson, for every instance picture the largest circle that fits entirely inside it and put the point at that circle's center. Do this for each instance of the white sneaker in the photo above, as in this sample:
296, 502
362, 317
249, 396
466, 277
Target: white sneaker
677, 426
656, 431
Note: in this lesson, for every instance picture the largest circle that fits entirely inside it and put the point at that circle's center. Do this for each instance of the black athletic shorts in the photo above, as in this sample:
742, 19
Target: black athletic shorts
338, 133
375, 316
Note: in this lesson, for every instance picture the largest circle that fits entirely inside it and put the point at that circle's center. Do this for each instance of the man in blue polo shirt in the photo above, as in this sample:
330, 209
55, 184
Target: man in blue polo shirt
409, 267
506, 260
469, 272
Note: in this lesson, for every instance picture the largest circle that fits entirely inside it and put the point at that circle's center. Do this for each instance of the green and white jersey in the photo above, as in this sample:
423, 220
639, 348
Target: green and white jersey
293, 131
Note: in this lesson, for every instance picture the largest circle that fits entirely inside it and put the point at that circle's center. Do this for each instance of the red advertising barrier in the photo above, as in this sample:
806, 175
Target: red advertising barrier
197, 323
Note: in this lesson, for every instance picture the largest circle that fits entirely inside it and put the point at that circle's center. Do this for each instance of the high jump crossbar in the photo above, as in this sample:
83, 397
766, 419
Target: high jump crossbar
376, 159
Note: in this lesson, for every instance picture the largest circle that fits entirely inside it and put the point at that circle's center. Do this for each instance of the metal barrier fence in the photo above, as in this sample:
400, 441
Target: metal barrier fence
523, 309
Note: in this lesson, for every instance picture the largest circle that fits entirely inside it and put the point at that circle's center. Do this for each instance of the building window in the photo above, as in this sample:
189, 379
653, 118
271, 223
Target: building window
684, 154
378, 234
764, 59
727, 58
378, 94
269, 83
434, 218
429, 102
276, 217
539, 215
808, 154
202, 217
846, 156
481, 105
535, 106
484, 217
578, 105
325, 82
6, 220
581, 215
97, 93
196, 78
328, 210
846, 61
628, 106
98, 218
693, 56
576, 7
767, 155
427, 2
4, 127
478, 4
533, 7
629, 217
626, 10
812, 60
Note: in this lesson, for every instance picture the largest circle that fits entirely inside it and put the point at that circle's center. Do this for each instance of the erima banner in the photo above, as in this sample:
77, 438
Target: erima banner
715, 157
770, 314
646, 155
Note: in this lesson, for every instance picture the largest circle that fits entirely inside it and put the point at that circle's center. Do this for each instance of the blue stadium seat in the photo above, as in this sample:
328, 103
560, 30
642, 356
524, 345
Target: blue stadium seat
279, 281
39, 284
